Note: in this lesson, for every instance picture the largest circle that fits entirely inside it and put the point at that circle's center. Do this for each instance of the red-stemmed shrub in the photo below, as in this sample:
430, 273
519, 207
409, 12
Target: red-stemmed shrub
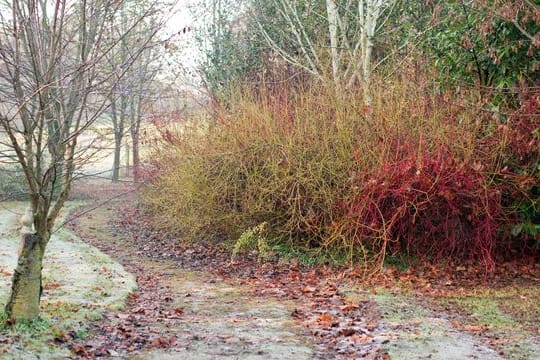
414, 173
522, 131
427, 203
520, 173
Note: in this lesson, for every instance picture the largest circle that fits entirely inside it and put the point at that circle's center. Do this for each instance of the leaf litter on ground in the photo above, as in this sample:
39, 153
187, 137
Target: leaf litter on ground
339, 327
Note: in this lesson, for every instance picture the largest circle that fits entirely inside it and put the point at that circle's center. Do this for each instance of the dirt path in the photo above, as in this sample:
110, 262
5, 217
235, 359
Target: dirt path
196, 305
184, 314
220, 320
418, 333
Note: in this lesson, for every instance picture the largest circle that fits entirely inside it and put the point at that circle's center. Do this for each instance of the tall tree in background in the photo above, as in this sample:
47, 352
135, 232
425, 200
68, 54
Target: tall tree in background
54, 85
350, 37
144, 73
229, 53
131, 85
327, 39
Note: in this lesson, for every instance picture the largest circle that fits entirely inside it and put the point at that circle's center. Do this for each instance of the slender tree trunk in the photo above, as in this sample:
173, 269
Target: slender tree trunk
333, 19
26, 288
54, 140
366, 72
136, 156
369, 12
135, 121
116, 161
127, 153
118, 119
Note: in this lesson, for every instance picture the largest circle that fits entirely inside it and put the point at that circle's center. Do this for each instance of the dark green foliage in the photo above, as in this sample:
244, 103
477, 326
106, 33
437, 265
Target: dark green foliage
472, 44
231, 46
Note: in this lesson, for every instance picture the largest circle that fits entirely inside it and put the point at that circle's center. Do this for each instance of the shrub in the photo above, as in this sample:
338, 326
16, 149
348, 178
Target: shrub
521, 169
425, 203
413, 174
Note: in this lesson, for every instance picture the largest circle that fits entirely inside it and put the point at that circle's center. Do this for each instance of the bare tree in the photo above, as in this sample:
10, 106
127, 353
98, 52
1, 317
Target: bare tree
333, 24
351, 48
144, 89
53, 87
131, 86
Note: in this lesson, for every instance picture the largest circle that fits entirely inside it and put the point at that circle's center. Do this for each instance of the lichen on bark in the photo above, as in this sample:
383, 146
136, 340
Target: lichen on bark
26, 287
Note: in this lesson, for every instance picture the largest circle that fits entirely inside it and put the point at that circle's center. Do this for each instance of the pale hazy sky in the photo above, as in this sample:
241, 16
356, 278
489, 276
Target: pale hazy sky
183, 16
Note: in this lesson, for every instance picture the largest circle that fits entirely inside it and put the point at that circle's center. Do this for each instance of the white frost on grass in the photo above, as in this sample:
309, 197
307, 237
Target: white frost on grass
74, 272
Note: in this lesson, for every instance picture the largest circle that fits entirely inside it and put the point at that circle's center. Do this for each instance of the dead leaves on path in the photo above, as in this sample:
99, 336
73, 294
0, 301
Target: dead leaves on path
148, 320
340, 328
133, 329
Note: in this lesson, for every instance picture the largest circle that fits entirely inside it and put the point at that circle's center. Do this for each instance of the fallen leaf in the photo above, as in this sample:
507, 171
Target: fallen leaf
346, 332
113, 353
325, 320
371, 327
51, 285
473, 328
361, 338
297, 313
349, 307
5, 272
79, 349
161, 342
308, 289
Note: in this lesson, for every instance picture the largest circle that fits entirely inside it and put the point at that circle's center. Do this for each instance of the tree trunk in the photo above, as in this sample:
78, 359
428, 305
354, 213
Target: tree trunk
366, 73
116, 161
333, 20
26, 288
136, 156
127, 153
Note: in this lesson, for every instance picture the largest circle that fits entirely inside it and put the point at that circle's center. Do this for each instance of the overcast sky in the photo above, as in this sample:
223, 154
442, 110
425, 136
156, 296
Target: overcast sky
183, 17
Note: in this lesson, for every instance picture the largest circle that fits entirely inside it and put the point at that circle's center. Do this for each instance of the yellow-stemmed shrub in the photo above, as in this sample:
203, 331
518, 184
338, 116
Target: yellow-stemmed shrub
324, 170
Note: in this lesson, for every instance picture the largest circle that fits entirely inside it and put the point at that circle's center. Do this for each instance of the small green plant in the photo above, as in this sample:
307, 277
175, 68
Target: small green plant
3, 321
304, 256
94, 315
81, 333
32, 327
484, 308
253, 239
400, 261
338, 256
